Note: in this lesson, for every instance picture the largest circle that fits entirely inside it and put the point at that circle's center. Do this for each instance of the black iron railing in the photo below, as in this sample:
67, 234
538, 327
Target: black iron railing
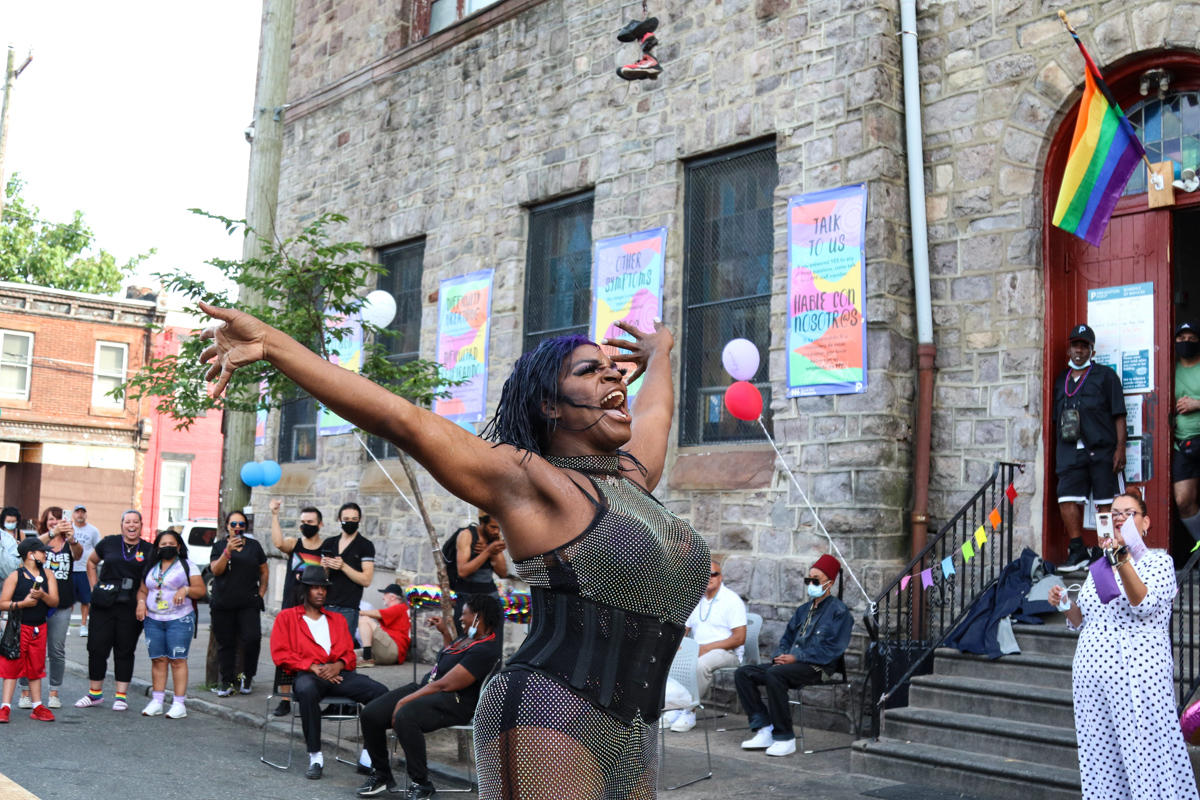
1185, 632
912, 618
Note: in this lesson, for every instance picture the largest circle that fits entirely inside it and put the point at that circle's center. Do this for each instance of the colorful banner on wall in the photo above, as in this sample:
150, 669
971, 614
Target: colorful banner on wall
464, 325
1123, 320
627, 286
260, 418
827, 286
348, 343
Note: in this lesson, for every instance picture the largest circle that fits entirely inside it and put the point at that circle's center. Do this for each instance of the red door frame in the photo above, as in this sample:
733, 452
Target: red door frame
1124, 80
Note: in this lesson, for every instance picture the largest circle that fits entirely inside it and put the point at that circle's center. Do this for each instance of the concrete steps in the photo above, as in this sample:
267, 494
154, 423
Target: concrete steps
1002, 729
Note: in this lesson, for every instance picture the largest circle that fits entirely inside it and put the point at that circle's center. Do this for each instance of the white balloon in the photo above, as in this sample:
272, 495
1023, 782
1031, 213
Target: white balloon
379, 308
740, 358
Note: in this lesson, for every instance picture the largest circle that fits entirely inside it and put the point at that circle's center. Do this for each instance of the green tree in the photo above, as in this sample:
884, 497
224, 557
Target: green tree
308, 284
59, 256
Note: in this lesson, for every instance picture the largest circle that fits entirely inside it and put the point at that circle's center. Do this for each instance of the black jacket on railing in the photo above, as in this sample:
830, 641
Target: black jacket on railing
827, 637
978, 632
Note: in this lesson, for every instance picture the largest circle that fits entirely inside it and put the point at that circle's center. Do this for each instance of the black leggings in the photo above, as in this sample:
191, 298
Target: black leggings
411, 723
229, 627
113, 631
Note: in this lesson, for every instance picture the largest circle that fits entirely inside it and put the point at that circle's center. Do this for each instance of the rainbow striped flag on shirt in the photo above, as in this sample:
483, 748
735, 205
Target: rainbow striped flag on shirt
1104, 153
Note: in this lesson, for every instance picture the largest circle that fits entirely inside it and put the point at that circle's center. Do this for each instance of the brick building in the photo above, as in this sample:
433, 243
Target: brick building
504, 140
65, 441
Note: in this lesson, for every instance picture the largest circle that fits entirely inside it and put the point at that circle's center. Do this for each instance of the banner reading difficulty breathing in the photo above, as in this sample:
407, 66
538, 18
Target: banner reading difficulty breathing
827, 328
464, 324
627, 284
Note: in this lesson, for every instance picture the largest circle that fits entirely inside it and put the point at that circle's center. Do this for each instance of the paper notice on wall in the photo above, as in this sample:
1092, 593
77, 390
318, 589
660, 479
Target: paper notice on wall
1133, 461
1123, 319
1133, 415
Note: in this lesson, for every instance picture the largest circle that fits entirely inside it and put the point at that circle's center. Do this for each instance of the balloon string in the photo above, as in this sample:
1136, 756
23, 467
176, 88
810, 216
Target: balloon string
385, 472
832, 543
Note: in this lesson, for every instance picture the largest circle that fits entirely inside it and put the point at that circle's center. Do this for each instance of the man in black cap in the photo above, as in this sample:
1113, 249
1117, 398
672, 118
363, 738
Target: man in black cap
316, 646
1089, 426
1185, 459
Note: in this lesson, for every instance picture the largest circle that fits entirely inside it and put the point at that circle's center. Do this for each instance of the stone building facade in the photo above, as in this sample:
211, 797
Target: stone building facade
455, 136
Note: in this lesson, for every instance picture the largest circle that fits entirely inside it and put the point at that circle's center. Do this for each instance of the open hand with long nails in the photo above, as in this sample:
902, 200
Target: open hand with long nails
237, 339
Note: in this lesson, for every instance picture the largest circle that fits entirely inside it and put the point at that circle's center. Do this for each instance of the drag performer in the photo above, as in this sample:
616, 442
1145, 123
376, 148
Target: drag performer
568, 473
1130, 743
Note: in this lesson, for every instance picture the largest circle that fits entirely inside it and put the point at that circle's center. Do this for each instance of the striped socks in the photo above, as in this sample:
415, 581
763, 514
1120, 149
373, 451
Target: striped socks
95, 697
118, 697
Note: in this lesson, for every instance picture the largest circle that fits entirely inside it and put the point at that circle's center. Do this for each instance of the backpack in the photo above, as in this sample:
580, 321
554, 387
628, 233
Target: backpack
450, 553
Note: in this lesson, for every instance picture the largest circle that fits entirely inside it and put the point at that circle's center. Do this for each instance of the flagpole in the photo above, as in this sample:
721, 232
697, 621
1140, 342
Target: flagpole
1062, 15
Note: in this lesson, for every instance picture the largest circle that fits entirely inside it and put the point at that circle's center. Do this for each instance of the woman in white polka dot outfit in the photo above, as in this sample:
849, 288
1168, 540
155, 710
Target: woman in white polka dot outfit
1130, 743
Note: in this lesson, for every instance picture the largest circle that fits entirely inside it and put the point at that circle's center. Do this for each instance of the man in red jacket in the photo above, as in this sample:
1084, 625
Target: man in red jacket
316, 645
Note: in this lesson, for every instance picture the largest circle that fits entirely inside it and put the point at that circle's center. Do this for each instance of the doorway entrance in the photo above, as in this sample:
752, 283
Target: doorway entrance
1159, 247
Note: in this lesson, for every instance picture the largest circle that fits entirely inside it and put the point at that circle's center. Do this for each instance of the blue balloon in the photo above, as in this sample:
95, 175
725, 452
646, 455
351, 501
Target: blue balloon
272, 472
252, 473
466, 425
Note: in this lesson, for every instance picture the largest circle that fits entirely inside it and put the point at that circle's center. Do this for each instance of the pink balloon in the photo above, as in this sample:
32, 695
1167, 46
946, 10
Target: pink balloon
744, 401
740, 358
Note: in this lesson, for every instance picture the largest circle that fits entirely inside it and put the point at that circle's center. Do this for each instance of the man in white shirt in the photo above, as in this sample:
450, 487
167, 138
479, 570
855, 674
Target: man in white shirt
719, 623
88, 536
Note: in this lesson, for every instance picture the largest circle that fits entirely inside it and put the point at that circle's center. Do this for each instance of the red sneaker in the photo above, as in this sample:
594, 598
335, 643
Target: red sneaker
43, 714
5, 711
649, 41
646, 68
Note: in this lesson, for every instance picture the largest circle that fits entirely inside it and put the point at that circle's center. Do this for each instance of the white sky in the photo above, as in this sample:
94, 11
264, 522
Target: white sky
133, 112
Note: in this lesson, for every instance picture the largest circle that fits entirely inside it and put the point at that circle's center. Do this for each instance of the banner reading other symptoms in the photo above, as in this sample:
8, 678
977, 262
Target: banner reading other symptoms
627, 286
464, 323
827, 330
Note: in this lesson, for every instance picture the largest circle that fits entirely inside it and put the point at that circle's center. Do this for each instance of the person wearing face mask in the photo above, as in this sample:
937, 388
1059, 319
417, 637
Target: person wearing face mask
1185, 458
1122, 673
446, 696
9, 560
1089, 426
33, 589
816, 637
349, 558
167, 604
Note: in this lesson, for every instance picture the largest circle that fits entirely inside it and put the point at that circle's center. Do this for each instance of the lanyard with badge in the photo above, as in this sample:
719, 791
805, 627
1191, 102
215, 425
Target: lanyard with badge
160, 579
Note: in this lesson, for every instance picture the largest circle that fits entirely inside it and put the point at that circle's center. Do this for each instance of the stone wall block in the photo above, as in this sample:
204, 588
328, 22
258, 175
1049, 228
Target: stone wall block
764, 582
1184, 29
1150, 25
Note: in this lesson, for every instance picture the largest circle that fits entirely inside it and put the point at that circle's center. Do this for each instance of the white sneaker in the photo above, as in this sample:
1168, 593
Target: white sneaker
668, 718
784, 748
24, 702
761, 741
54, 702
154, 709
83, 631
178, 711
685, 722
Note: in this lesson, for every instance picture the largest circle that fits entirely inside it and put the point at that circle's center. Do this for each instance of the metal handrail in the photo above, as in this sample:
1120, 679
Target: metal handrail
1185, 631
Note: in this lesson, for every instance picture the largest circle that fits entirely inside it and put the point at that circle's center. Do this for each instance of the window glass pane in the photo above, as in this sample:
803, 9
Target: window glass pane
298, 431
174, 477
16, 349
1169, 129
441, 14
476, 5
102, 386
403, 270
110, 358
558, 275
729, 237
13, 380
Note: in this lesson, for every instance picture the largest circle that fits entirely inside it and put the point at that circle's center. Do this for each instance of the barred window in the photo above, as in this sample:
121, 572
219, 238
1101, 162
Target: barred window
298, 431
403, 270
729, 242
558, 271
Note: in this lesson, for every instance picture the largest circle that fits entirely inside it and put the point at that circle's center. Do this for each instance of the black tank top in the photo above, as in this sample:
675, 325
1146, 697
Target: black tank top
298, 559
25, 582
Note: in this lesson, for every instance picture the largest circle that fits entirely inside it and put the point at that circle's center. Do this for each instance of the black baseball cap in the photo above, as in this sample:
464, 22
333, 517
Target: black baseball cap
1082, 332
393, 588
31, 545
1186, 326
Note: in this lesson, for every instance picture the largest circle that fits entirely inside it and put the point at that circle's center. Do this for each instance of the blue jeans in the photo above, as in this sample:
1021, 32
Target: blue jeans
351, 615
169, 638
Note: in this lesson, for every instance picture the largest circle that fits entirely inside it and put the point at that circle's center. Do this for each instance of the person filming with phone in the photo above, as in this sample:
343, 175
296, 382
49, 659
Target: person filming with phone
1130, 742
240, 572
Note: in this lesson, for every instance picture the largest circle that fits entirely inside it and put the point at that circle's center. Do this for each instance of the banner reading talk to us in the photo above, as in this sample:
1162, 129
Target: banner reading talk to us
827, 330
627, 286
464, 322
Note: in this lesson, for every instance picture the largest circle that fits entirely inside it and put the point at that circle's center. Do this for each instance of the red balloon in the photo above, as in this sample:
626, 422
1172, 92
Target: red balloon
744, 401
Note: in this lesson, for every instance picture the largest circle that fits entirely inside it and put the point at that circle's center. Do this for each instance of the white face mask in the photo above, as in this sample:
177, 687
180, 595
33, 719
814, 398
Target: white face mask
10, 526
815, 591
1084, 365
471, 631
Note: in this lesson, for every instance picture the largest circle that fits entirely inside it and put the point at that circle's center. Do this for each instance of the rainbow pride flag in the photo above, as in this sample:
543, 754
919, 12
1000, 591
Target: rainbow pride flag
1104, 153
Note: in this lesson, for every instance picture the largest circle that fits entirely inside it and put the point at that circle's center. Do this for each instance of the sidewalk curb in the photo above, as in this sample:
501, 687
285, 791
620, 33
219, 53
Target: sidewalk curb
142, 687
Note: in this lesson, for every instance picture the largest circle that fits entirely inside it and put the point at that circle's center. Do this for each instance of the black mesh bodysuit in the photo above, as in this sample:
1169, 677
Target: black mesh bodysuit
569, 716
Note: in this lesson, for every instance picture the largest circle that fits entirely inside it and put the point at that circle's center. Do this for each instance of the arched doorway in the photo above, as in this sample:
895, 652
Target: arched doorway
1142, 245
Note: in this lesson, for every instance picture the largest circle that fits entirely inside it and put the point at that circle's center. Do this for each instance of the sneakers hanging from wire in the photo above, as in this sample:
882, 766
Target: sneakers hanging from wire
642, 31
647, 67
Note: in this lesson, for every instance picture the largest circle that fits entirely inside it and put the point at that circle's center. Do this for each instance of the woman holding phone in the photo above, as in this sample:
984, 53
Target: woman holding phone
1130, 742
56, 530
239, 568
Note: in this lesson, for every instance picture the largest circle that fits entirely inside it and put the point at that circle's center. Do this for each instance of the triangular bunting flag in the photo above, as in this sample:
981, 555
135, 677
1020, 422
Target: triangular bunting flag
904, 582
1011, 493
968, 551
948, 566
994, 518
980, 536
927, 578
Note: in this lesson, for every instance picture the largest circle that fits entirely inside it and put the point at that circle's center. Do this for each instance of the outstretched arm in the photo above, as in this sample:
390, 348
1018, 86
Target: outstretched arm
654, 404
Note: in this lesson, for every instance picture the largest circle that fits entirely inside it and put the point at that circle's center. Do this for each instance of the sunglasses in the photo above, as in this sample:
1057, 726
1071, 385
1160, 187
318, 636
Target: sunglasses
237, 524
714, 574
812, 581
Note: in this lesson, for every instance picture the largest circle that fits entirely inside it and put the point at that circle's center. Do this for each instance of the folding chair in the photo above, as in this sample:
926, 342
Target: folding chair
751, 656
841, 680
683, 669
284, 679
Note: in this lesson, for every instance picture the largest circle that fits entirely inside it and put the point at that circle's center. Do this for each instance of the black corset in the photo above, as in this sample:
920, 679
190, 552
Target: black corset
615, 659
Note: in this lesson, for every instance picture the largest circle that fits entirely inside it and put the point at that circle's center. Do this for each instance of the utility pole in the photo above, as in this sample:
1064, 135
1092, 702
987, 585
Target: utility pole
262, 195
10, 80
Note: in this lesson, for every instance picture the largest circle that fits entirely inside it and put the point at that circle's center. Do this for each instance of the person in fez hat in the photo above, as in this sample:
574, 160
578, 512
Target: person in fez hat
808, 652
316, 645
